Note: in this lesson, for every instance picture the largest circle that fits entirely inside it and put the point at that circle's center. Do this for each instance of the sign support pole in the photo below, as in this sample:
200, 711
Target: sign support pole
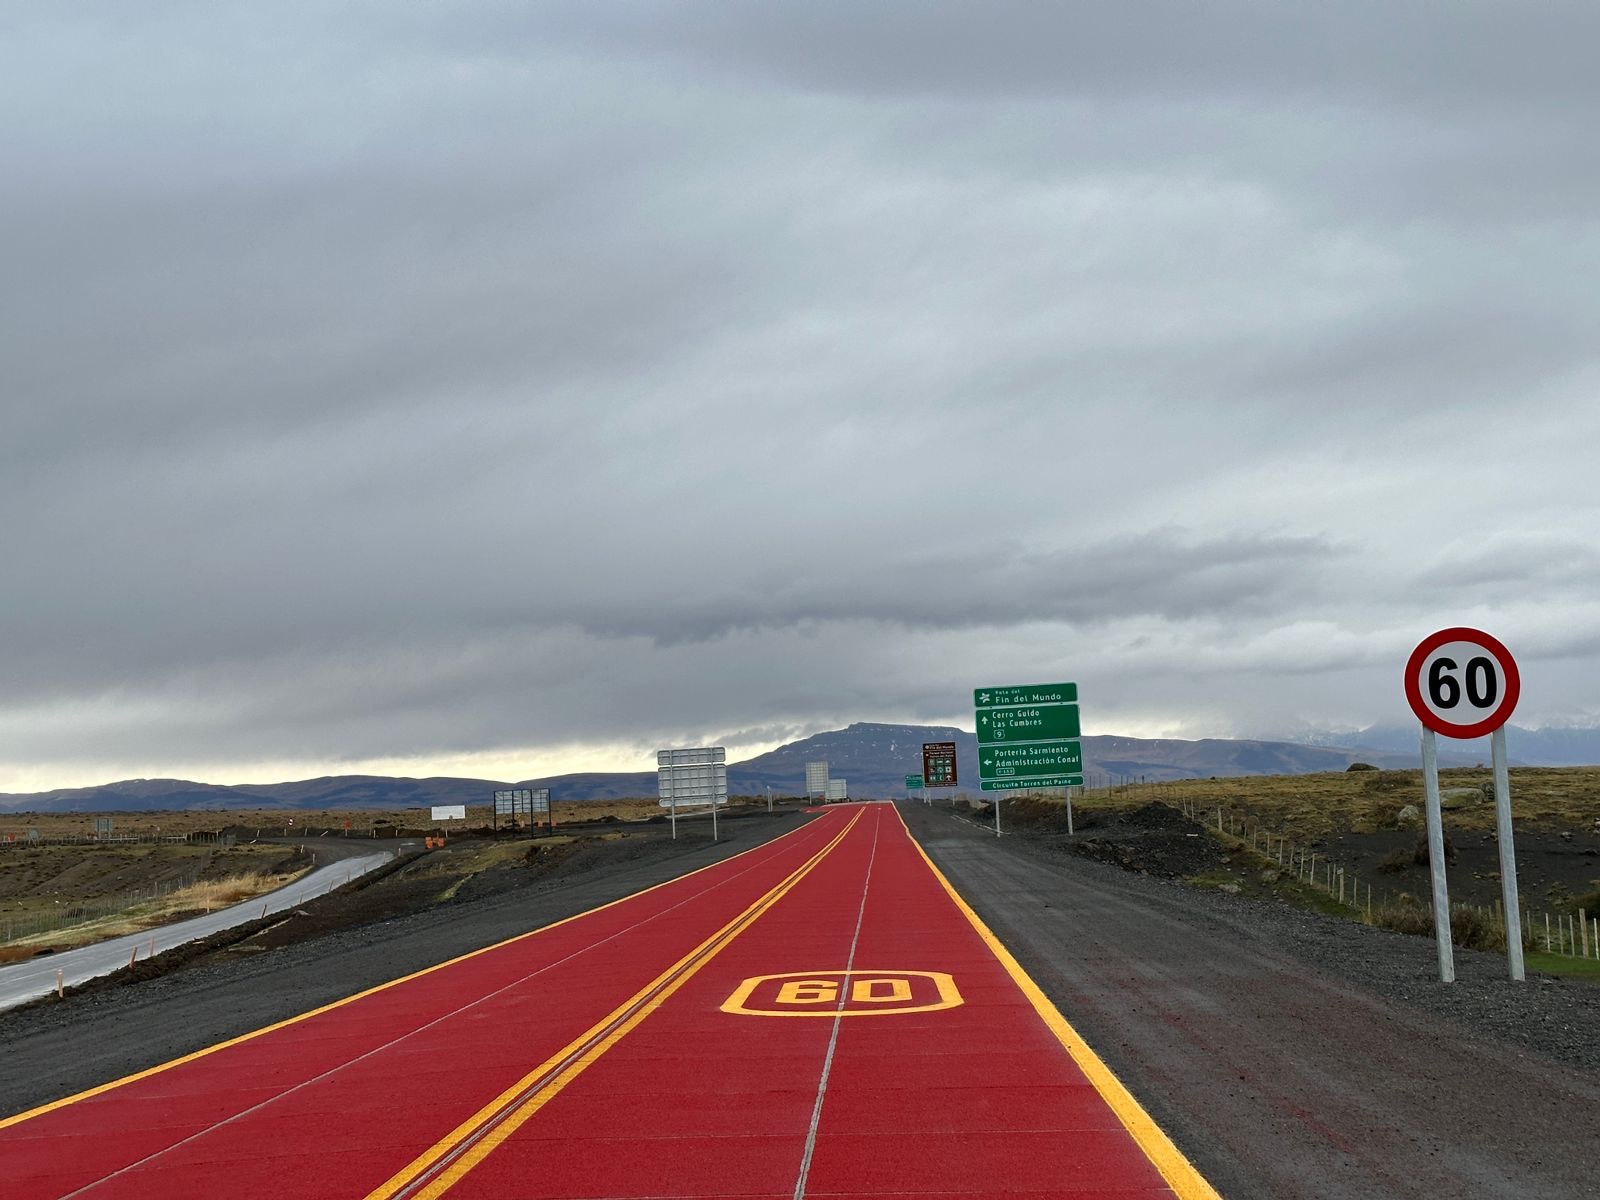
1069, 812
674, 817
1441, 895
713, 818
997, 816
1508, 853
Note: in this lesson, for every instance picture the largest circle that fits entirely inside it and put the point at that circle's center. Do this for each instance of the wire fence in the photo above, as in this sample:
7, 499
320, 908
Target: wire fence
15, 927
1573, 934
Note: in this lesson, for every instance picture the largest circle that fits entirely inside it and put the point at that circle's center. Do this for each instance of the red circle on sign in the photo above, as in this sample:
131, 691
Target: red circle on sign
1511, 691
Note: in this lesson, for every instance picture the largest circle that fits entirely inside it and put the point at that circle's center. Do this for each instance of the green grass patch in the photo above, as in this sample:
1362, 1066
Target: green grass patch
1587, 969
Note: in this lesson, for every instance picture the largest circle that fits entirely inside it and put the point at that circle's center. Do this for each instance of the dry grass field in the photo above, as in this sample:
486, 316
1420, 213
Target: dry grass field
279, 822
130, 915
1306, 807
105, 888
48, 888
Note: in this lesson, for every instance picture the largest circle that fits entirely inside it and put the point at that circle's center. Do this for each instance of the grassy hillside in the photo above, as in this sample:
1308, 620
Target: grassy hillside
1326, 804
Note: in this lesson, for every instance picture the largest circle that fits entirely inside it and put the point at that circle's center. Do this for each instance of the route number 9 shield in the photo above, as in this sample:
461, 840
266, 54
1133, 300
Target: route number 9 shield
1462, 683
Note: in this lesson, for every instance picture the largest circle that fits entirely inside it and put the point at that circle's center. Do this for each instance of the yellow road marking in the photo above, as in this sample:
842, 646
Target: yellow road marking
949, 995
102, 1088
474, 1139
1181, 1175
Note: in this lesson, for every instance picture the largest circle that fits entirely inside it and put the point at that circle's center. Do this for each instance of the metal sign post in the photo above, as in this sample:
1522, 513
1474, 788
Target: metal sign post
525, 802
1441, 887
1508, 854
1462, 683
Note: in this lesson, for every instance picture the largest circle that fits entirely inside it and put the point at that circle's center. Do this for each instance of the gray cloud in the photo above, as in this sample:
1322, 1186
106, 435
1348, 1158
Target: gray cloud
410, 384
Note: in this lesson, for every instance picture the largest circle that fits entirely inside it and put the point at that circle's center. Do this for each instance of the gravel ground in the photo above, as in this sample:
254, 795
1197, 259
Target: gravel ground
1291, 1054
1556, 1017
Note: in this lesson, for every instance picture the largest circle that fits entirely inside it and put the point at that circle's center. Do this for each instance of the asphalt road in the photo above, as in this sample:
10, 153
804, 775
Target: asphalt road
929, 1065
24, 981
1288, 1055
1282, 1063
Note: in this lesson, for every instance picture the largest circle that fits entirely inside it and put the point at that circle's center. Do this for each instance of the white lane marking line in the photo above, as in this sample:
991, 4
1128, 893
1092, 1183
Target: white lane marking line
833, 1037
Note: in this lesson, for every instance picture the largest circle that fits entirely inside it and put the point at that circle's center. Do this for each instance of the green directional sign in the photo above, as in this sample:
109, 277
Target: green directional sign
1048, 758
1028, 693
913, 783
1032, 781
1027, 736
1032, 723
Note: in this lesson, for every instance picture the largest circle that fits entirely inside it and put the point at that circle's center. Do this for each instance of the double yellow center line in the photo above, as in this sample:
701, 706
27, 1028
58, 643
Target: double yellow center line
443, 1164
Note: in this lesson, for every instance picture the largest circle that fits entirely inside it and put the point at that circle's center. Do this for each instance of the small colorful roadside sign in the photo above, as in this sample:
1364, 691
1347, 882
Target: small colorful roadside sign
913, 783
939, 764
1462, 683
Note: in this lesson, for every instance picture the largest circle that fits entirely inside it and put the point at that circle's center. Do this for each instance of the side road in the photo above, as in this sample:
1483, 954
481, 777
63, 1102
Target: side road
24, 981
1292, 1055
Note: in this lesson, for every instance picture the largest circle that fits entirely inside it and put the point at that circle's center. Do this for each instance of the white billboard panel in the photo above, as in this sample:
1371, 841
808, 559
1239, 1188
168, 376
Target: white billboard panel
692, 777
510, 802
449, 812
816, 778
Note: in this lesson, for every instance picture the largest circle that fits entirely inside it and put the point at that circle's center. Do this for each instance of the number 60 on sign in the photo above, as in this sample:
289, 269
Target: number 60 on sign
1462, 683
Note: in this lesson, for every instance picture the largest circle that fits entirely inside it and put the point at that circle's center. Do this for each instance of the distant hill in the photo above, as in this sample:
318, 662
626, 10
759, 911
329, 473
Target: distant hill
873, 758
1554, 746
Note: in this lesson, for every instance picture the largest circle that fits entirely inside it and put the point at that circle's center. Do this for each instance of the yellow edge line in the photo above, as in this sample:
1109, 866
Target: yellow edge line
1180, 1174
100, 1089
518, 1116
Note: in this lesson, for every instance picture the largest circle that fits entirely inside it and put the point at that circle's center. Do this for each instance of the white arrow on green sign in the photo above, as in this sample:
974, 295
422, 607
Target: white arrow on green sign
1055, 758
1032, 723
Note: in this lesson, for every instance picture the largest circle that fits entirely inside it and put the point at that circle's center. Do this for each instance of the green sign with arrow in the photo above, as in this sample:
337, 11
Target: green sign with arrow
1027, 736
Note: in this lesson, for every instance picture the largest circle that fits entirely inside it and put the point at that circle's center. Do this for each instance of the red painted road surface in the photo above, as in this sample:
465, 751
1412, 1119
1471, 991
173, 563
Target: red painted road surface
819, 1016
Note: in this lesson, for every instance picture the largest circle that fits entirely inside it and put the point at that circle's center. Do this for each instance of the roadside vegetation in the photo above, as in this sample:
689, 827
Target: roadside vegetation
86, 922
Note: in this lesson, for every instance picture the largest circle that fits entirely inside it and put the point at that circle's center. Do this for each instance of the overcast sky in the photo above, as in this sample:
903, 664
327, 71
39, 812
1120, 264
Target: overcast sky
509, 388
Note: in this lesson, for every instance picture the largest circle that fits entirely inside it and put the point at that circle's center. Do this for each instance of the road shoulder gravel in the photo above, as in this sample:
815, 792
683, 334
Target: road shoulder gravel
1292, 1054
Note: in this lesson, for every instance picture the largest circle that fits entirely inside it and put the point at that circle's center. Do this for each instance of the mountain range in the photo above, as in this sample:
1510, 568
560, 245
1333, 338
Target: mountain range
872, 758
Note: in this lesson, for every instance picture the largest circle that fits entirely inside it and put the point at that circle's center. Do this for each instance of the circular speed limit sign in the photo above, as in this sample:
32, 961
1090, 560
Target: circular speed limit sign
1462, 683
